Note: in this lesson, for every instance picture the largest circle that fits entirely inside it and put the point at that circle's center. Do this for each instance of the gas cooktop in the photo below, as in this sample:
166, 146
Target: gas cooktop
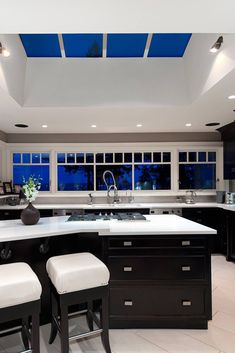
131, 216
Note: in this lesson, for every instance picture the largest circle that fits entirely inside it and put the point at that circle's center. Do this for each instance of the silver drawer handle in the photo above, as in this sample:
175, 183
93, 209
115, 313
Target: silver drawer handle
127, 269
127, 243
186, 268
185, 242
186, 303
128, 302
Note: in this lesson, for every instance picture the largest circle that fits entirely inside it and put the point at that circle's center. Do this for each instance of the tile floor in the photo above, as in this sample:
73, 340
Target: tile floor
219, 338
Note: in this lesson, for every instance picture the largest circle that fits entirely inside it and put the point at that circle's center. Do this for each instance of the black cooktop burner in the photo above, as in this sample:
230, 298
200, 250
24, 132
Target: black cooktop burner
131, 216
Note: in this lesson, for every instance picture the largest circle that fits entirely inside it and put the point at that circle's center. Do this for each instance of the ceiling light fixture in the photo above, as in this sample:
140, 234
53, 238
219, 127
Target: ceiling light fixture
212, 124
188, 124
139, 125
232, 96
4, 51
44, 126
22, 126
93, 125
216, 46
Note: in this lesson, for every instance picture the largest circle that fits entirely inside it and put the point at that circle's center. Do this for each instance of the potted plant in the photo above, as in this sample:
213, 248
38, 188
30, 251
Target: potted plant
31, 215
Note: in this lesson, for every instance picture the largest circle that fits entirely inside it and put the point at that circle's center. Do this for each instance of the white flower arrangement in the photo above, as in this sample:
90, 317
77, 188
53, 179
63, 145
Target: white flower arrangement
31, 188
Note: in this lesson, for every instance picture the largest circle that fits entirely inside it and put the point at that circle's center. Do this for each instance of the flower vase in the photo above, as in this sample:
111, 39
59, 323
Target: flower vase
30, 215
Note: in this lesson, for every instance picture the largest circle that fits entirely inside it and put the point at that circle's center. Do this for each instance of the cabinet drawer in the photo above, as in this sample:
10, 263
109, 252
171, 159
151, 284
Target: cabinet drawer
157, 301
157, 268
156, 242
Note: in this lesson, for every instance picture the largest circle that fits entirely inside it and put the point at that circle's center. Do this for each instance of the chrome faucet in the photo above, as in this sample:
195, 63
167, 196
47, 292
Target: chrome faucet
113, 187
115, 191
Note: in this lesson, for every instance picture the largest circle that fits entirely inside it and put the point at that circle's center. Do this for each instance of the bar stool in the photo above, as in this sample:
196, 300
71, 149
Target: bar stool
77, 279
20, 292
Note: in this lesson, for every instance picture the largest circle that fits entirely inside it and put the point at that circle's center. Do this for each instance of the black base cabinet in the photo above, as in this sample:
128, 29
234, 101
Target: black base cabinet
230, 221
15, 214
159, 281
214, 218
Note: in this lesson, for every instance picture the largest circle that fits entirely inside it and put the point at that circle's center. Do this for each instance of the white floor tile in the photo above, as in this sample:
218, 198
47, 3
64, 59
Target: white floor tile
215, 337
175, 341
121, 341
224, 321
223, 300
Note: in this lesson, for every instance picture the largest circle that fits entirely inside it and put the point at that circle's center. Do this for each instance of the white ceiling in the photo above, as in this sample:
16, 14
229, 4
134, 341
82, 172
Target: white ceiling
117, 16
163, 95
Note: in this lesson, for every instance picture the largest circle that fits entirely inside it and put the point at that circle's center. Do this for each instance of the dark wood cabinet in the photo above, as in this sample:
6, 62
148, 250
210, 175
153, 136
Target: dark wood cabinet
229, 159
214, 218
230, 219
159, 281
15, 214
228, 136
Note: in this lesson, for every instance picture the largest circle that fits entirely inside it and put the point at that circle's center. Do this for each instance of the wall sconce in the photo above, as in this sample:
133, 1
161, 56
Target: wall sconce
4, 51
216, 46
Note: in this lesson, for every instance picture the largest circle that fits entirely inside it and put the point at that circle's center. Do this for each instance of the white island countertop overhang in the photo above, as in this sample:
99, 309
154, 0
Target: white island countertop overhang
13, 230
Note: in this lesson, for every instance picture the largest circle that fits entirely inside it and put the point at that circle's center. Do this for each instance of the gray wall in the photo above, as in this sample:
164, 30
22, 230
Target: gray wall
119, 138
3, 136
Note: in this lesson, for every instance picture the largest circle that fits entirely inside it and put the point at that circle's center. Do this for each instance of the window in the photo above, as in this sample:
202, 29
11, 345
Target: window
75, 177
152, 177
154, 173
197, 170
73, 174
28, 164
122, 174
132, 170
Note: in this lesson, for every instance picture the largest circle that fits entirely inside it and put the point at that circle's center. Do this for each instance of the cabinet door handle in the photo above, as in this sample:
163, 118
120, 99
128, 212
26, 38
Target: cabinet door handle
186, 268
127, 243
186, 302
185, 242
127, 269
128, 302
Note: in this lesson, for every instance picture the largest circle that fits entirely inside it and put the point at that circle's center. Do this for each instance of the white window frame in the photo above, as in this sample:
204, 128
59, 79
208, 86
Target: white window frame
173, 147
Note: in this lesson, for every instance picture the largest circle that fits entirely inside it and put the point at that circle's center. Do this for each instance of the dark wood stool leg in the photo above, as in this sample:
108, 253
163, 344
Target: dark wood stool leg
54, 315
35, 344
25, 333
105, 322
64, 326
89, 317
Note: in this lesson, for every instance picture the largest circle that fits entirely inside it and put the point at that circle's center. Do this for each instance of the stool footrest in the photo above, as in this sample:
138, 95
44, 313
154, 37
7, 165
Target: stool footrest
28, 351
77, 313
84, 335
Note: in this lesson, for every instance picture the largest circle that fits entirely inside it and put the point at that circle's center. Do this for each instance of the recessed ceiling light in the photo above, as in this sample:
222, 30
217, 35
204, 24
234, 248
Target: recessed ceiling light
93, 125
22, 126
212, 124
139, 125
188, 124
232, 96
44, 126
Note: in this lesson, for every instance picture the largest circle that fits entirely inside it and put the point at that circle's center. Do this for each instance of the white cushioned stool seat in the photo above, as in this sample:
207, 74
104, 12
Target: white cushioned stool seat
75, 272
18, 284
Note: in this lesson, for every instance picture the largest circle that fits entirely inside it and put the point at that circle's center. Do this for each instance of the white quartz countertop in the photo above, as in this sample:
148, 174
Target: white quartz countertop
122, 206
52, 226
113, 206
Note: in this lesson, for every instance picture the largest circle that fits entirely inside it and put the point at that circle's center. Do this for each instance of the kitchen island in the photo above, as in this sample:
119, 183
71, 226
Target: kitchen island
160, 268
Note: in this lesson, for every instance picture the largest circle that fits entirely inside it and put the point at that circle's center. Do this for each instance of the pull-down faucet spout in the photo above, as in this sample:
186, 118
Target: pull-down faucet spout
113, 187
